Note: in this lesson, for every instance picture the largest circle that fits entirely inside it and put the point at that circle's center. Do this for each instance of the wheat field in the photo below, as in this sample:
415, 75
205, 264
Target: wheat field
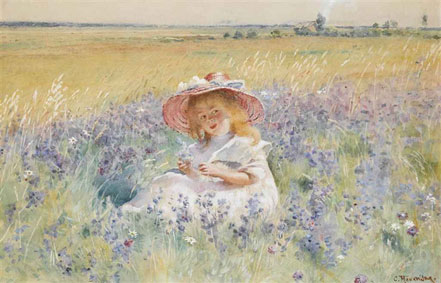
120, 65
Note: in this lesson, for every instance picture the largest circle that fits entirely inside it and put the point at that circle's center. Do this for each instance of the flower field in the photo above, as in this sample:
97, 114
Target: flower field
356, 157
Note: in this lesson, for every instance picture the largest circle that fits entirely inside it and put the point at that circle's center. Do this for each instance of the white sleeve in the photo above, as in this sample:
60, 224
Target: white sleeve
255, 168
258, 164
264, 147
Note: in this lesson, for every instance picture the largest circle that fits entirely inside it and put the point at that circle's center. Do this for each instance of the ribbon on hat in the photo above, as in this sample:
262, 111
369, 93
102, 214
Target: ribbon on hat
197, 82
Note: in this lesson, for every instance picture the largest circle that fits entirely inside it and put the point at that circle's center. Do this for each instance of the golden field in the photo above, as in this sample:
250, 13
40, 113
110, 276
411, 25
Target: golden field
99, 65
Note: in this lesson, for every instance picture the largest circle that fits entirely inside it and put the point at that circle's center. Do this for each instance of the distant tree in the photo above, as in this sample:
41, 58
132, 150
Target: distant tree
238, 35
376, 32
386, 24
424, 20
375, 25
275, 33
251, 34
394, 24
320, 22
227, 35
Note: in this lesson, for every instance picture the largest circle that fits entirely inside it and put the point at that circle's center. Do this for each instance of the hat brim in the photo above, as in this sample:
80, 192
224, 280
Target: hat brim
173, 110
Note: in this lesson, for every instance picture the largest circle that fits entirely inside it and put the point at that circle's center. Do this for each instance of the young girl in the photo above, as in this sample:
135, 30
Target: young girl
228, 163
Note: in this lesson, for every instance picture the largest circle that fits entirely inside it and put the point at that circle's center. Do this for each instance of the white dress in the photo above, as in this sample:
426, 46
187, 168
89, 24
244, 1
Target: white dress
176, 195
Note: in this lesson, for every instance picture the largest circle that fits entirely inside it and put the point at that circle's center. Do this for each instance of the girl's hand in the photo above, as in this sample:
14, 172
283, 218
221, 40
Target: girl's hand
208, 169
185, 166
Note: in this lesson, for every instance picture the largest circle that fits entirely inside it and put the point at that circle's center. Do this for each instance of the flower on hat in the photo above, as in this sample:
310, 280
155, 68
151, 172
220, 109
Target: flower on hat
194, 82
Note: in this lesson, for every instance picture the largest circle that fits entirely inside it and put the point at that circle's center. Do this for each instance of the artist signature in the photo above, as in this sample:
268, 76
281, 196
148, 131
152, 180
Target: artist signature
420, 278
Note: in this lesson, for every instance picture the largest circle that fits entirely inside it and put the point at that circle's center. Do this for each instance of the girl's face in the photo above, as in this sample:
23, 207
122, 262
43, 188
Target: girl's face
213, 119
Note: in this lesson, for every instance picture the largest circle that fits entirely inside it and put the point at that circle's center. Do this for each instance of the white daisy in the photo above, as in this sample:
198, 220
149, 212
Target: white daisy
425, 216
86, 133
395, 227
321, 91
431, 198
190, 240
409, 224
73, 141
28, 173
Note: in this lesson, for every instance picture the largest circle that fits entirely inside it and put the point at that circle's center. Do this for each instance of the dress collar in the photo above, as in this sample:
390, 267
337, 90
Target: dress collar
223, 138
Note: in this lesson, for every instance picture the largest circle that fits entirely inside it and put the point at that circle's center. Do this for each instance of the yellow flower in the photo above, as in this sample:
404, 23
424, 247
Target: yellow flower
133, 234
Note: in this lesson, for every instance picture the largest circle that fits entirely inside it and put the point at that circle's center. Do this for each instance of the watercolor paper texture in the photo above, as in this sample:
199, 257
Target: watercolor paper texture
317, 159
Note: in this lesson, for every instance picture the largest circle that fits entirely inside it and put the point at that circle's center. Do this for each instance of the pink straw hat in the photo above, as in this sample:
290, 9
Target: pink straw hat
175, 108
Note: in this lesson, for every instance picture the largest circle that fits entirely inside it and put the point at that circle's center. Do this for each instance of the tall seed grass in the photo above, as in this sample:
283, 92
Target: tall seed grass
99, 66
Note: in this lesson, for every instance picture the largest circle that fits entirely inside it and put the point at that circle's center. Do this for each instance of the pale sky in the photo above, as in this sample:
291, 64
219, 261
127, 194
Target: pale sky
211, 12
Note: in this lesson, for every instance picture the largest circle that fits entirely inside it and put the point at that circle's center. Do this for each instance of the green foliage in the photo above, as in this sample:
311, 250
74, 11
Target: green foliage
275, 33
424, 20
393, 241
251, 34
305, 183
393, 24
238, 35
375, 31
320, 22
352, 145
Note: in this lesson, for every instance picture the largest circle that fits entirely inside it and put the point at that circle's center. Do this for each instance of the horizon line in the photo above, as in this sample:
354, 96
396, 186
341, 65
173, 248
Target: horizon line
91, 24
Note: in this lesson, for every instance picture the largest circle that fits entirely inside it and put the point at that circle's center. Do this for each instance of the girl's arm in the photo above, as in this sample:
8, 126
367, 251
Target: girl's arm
230, 176
248, 174
237, 178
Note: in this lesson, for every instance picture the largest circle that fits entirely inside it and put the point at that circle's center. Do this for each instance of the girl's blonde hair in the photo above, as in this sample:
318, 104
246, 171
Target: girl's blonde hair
238, 116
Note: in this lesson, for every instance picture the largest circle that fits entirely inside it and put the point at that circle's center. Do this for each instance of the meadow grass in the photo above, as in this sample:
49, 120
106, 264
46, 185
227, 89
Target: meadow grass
119, 65
354, 125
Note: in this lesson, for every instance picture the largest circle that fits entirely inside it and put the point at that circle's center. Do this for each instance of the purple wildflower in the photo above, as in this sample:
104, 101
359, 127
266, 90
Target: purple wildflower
412, 231
360, 278
298, 275
402, 216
